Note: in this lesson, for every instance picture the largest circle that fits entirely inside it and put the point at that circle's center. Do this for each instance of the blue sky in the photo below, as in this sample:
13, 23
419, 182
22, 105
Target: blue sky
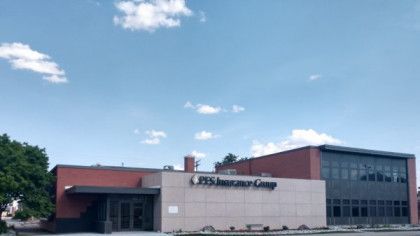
145, 83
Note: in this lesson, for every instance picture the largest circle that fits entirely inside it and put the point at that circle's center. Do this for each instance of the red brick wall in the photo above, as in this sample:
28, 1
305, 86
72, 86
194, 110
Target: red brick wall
71, 206
302, 163
412, 190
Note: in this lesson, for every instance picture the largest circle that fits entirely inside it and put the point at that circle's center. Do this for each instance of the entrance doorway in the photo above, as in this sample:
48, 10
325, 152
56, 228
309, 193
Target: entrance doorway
131, 215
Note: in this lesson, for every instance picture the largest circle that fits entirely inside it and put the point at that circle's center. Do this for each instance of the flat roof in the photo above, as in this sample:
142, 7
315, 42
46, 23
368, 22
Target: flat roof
116, 168
110, 190
365, 151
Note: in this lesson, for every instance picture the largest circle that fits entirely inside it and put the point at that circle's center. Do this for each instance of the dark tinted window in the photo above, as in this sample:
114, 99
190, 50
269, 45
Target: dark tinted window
336, 201
355, 211
372, 202
328, 211
397, 212
346, 201
362, 175
372, 211
353, 174
364, 211
381, 211
404, 211
337, 211
388, 211
354, 202
346, 211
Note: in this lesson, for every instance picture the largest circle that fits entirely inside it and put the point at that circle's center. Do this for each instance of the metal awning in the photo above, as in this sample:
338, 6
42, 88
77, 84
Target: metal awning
111, 190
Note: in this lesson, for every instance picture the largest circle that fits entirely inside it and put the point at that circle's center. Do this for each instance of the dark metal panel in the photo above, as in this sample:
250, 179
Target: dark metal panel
111, 190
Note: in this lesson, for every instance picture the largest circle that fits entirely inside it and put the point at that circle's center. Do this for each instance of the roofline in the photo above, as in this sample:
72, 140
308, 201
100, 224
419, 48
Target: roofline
114, 168
335, 148
273, 154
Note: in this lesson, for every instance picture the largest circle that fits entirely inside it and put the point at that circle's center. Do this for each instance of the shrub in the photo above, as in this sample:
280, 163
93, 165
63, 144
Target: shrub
284, 227
303, 227
232, 228
266, 228
22, 215
3, 227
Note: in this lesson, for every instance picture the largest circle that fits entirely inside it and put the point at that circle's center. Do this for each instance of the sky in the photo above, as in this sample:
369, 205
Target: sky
144, 83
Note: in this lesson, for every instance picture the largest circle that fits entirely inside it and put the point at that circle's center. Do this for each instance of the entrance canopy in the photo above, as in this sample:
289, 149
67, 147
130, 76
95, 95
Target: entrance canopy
111, 190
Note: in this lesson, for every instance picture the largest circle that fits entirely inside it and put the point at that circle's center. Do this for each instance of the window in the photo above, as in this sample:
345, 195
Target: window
381, 211
355, 211
380, 176
389, 211
371, 175
346, 211
364, 211
372, 202
389, 203
335, 173
344, 174
372, 210
395, 177
325, 173
403, 177
328, 201
397, 212
363, 202
404, 211
346, 201
396, 203
325, 163
353, 174
355, 202
388, 177
381, 202
334, 164
337, 211
328, 211
336, 201
404, 203
362, 175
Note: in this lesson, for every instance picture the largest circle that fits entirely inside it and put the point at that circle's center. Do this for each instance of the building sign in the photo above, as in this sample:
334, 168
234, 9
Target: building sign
211, 180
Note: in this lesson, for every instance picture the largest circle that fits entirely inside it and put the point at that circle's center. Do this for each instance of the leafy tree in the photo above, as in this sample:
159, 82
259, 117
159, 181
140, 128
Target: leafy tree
229, 158
24, 176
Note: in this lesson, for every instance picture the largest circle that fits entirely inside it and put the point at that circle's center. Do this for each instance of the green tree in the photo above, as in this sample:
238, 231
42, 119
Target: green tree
229, 158
24, 176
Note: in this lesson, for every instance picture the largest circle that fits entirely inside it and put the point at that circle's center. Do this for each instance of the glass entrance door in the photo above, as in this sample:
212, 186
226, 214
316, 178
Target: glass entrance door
129, 215
137, 215
125, 219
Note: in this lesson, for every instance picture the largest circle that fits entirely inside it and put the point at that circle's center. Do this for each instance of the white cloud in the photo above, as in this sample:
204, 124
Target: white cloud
154, 137
202, 16
150, 15
21, 56
298, 138
151, 141
178, 167
204, 135
237, 109
314, 77
207, 109
211, 110
136, 131
188, 104
197, 154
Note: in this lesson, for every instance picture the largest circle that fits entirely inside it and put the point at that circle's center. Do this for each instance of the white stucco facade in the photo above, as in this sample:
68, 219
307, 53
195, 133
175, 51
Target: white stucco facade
185, 206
